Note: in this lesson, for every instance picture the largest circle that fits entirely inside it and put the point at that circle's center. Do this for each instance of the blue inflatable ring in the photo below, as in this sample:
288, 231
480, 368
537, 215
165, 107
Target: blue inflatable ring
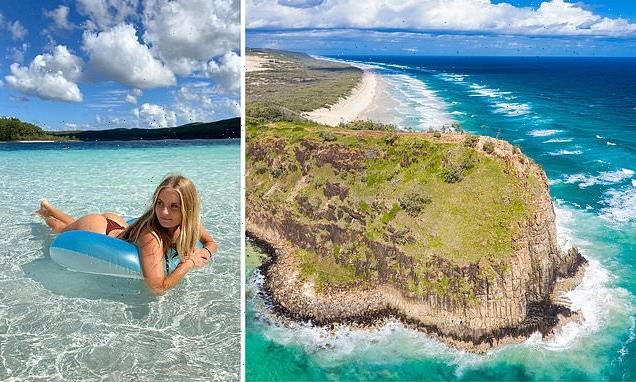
90, 252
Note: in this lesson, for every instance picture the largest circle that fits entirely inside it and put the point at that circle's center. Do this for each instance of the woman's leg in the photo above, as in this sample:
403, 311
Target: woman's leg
47, 210
56, 225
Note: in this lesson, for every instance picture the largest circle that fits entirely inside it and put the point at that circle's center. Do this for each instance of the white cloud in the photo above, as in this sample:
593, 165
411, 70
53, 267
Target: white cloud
199, 102
132, 96
60, 17
188, 33
117, 55
103, 14
49, 76
555, 17
226, 72
18, 32
155, 115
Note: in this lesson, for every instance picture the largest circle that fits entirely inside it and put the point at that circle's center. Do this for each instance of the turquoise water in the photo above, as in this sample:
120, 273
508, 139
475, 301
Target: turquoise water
60, 325
577, 119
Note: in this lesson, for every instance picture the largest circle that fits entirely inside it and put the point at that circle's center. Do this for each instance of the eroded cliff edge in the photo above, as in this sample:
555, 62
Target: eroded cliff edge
451, 233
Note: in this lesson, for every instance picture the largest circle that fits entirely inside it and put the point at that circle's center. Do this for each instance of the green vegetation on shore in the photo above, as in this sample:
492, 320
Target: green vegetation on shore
227, 128
12, 129
426, 197
293, 83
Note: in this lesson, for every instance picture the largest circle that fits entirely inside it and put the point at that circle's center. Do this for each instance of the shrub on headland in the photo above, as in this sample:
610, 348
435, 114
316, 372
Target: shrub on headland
489, 147
455, 164
471, 140
261, 112
367, 125
413, 203
327, 135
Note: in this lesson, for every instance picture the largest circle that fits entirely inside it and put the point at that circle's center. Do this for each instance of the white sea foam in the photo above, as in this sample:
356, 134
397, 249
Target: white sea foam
623, 351
593, 298
565, 152
598, 136
332, 347
620, 205
358, 64
602, 178
610, 143
558, 140
418, 107
512, 109
595, 301
544, 133
396, 66
452, 77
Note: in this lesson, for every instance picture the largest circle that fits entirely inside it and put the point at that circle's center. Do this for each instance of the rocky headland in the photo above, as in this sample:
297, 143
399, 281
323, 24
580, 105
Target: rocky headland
451, 233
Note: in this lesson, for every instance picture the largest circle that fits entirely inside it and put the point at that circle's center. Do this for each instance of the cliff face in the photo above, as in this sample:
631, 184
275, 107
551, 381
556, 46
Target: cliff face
354, 241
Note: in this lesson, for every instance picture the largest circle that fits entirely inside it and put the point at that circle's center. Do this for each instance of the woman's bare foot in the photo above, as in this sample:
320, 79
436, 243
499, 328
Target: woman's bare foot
45, 209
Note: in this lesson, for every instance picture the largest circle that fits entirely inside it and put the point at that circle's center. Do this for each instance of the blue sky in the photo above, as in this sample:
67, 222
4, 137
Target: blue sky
86, 64
449, 27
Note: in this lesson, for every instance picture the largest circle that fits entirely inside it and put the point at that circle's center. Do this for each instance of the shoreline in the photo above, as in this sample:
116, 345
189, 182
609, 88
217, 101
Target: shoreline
350, 108
547, 317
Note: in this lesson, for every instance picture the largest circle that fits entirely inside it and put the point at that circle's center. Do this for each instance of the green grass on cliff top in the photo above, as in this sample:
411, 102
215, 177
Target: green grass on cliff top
470, 221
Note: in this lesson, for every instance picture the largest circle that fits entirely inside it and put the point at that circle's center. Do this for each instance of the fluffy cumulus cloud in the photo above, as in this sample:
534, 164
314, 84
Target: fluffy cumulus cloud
118, 55
155, 116
226, 72
187, 33
103, 14
49, 76
60, 17
554, 17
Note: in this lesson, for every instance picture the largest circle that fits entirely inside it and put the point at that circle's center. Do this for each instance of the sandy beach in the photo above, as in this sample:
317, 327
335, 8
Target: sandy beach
349, 108
254, 63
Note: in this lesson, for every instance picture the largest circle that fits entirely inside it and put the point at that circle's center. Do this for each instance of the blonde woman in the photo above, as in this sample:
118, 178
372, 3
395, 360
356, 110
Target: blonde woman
172, 221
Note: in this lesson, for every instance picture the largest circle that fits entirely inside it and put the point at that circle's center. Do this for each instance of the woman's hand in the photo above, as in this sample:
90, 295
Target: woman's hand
199, 257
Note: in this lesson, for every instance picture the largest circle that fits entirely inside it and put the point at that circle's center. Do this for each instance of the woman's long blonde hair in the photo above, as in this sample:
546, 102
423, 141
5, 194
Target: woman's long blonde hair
190, 217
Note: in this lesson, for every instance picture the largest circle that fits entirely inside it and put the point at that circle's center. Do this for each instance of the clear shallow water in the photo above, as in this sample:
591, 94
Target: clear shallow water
577, 119
60, 325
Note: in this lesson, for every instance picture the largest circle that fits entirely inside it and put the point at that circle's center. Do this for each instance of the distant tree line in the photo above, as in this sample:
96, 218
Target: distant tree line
12, 129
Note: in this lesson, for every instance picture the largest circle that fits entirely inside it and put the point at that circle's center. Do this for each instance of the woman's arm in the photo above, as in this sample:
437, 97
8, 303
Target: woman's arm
153, 265
208, 243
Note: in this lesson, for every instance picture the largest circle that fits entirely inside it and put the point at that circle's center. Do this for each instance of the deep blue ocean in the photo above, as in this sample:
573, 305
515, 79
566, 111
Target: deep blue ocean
576, 117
